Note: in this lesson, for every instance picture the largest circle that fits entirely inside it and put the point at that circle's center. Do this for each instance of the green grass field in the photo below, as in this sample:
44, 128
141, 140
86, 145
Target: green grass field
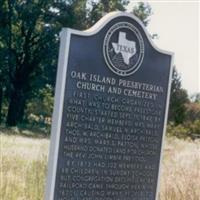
24, 164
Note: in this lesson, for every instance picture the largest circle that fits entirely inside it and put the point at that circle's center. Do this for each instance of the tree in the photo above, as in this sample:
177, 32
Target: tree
179, 96
32, 29
30, 32
195, 98
29, 39
100, 8
72, 14
192, 111
178, 99
143, 11
3, 52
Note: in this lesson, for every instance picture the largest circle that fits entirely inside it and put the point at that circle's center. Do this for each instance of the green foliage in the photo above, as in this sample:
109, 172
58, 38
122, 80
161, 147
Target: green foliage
28, 58
29, 39
29, 36
194, 129
143, 11
189, 129
71, 14
178, 131
100, 8
184, 116
3, 54
192, 111
39, 109
178, 100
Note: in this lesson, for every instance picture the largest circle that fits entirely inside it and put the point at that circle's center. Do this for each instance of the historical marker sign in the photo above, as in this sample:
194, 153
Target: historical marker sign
111, 103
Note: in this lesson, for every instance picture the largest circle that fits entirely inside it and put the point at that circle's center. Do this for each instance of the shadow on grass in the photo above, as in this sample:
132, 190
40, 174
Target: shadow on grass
26, 131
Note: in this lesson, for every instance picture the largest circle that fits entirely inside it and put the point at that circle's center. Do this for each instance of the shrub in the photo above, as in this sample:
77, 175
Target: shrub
178, 131
194, 129
192, 111
39, 109
188, 129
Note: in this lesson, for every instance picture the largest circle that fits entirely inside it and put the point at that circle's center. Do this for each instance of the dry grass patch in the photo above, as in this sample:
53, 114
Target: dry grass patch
24, 165
180, 177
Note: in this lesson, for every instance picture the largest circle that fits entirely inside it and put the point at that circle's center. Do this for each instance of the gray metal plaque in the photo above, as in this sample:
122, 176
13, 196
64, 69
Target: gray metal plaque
110, 113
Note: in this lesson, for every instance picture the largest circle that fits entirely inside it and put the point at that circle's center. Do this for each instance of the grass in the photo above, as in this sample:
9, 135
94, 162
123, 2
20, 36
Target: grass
23, 167
24, 164
180, 177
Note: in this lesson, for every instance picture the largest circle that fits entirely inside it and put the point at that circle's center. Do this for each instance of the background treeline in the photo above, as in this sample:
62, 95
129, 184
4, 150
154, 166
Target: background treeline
29, 41
184, 111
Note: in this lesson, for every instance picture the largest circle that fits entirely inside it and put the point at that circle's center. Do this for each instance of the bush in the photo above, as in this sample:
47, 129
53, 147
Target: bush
39, 109
194, 129
192, 111
178, 131
188, 129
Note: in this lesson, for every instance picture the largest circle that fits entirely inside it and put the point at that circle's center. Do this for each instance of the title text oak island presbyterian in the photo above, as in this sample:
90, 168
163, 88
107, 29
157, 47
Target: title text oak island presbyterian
110, 113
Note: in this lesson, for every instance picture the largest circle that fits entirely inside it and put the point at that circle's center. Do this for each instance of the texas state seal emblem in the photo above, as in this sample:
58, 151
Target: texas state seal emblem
123, 48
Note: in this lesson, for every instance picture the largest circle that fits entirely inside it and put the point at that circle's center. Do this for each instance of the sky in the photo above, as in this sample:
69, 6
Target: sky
177, 23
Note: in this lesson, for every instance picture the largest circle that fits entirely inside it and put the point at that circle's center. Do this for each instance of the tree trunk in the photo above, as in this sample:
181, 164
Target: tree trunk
22, 109
1, 102
14, 109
